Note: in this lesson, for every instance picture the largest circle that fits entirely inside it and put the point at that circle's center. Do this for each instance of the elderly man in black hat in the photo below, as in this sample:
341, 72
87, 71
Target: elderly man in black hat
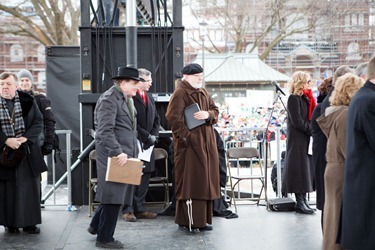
196, 157
116, 136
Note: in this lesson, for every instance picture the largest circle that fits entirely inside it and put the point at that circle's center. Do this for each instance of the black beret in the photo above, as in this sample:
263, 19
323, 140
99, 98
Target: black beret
191, 69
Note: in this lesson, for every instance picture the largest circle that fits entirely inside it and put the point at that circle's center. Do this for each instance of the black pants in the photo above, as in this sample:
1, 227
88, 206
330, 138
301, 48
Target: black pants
139, 196
104, 221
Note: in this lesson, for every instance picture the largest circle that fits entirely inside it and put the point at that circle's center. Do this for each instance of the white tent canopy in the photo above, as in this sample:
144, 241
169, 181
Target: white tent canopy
238, 68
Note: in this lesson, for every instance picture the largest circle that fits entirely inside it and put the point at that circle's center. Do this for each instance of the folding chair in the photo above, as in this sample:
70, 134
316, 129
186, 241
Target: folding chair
161, 154
245, 154
92, 181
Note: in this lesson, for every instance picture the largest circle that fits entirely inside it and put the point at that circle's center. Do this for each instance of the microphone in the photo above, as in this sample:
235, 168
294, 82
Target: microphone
277, 87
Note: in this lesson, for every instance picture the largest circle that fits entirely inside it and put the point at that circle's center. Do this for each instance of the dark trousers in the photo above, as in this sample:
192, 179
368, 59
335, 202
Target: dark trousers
104, 221
139, 196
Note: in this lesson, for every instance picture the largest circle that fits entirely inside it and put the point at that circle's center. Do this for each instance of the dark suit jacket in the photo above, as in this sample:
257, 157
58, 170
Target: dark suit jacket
358, 213
148, 122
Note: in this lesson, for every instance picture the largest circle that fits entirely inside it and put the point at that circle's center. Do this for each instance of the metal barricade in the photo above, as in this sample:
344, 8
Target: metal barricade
270, 151
67, 175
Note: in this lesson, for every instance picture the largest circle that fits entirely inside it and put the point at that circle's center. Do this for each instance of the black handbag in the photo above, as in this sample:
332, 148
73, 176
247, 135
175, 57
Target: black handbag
282, 204
11, 158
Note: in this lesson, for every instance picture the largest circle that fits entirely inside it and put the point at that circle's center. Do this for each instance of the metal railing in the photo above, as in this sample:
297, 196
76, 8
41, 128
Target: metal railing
67, 175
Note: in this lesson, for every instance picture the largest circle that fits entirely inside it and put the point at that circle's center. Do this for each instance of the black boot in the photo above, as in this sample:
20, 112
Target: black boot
307, 203
301, 206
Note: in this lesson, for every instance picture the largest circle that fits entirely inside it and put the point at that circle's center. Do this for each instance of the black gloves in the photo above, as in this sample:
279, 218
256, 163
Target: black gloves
151, 140
47, 148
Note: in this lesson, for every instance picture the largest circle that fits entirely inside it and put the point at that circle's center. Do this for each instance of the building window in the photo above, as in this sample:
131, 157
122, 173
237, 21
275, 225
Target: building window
361, 19
353, 51
354, 19
16, 53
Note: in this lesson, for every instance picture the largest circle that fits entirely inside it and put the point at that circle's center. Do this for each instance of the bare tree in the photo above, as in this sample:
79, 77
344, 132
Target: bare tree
267, 22
50, 22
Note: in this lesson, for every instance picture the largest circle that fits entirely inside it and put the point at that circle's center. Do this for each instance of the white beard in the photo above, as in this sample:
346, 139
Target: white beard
199, 85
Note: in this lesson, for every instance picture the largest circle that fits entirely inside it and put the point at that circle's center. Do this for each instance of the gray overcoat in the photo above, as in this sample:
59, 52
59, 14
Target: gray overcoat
115, 134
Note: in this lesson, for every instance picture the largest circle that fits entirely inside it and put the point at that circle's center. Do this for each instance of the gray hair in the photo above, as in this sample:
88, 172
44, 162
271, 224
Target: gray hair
144, 72
342, 70
361, 69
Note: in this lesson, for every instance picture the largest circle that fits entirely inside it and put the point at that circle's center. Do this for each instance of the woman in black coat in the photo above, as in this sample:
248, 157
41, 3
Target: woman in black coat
298, 173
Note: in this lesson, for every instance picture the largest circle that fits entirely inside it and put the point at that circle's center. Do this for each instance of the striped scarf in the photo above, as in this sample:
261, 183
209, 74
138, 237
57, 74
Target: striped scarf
12, 125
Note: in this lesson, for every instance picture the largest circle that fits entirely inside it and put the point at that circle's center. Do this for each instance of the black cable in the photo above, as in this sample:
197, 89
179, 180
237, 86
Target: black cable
115, 10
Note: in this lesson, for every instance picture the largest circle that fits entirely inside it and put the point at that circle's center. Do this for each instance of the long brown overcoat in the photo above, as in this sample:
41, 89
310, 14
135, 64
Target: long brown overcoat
195, 152
333, 125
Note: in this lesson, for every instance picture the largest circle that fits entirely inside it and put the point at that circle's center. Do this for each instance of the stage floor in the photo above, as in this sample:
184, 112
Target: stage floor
256, 228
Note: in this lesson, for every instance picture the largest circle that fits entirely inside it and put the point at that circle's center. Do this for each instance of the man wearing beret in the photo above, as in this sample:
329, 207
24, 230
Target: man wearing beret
115, 136
196, 157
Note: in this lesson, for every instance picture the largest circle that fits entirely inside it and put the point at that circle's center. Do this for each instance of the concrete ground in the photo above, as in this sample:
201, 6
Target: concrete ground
256, 228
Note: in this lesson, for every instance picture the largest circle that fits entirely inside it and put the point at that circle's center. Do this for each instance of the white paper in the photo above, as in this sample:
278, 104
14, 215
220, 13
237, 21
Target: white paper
144, 155
309, 151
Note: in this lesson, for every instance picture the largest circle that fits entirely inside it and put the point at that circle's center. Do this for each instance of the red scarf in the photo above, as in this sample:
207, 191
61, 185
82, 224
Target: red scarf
312, 102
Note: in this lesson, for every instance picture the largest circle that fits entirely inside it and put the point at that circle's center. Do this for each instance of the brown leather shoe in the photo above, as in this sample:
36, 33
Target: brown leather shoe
129, 217
146, 215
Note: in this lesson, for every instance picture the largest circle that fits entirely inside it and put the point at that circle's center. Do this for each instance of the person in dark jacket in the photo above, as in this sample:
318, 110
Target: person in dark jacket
116, 136
319, 143
196, 159
358, 214
274, 172
25, 79
148, 124
320, 140
298, 174
220, 206
21, 123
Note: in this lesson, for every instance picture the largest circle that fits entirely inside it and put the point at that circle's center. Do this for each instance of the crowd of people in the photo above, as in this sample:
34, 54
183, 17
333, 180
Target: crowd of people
338, 124
338, 167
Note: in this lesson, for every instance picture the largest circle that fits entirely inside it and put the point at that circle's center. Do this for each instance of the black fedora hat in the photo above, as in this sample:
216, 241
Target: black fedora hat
127, 73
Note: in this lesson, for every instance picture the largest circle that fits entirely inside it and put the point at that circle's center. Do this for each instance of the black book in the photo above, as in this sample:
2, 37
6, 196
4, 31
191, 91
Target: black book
190, 121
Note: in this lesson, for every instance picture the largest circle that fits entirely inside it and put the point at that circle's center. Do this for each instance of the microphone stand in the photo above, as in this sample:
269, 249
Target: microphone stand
266, 142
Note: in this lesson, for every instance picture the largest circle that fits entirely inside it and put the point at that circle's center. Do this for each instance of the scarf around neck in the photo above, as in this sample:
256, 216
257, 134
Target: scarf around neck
12, 123
312, 102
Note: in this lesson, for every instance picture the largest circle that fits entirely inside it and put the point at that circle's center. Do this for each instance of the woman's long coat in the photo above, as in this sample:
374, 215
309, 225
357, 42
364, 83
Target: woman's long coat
333, 124
298, 171
358, 213
20, 186
115, 134
196, 160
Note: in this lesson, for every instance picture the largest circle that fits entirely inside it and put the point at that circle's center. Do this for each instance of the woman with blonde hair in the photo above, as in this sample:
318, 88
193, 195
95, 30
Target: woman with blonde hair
333, 124
298, 173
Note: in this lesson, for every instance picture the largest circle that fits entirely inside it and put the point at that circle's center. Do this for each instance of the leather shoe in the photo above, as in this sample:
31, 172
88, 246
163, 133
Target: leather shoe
129, 217
12, 230
206, 228
187, 230
146, 215
112, 244
32, 230
92, 231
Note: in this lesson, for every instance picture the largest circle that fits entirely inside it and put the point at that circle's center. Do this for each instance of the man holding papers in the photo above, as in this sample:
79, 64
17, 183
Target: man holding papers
196, 157
148, 123
115, 136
